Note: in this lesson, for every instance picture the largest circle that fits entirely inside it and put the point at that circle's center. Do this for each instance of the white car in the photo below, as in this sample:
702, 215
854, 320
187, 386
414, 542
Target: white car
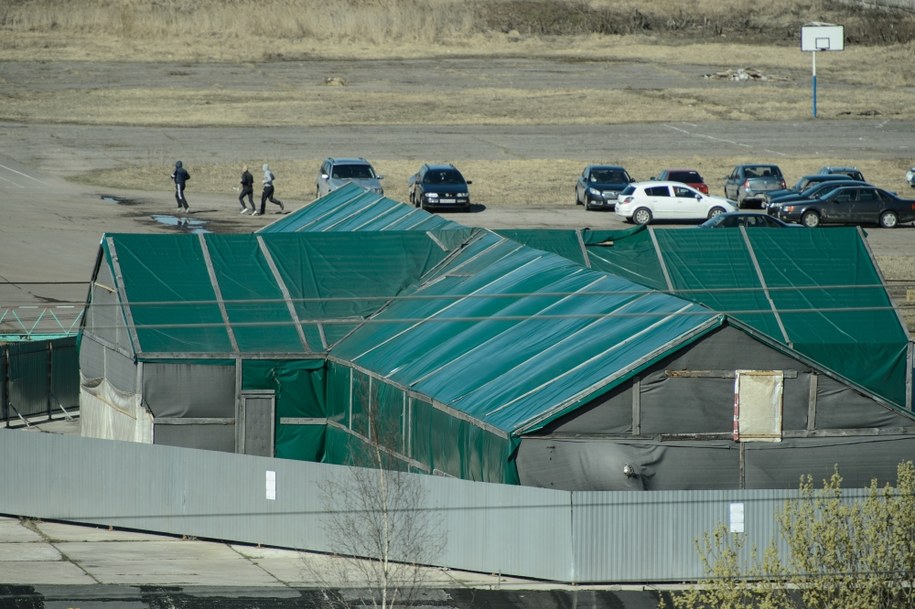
910, 177
643, 202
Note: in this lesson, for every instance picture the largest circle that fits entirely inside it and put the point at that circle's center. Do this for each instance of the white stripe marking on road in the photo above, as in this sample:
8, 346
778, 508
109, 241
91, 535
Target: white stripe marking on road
25, 175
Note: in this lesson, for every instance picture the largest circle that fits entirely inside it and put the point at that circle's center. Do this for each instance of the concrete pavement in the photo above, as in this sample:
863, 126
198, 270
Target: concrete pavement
60, 565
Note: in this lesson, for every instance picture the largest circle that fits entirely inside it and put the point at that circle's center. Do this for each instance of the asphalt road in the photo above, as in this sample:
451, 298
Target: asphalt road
65, 150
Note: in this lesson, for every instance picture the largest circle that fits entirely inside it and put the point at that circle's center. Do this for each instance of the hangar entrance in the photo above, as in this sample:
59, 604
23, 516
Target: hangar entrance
256, 416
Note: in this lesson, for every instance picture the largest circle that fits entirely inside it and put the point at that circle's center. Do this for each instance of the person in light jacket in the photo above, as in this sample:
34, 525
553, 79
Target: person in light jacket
267, 194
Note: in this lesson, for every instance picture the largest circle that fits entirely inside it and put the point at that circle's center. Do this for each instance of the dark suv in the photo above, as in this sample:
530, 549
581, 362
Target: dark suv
599, 186
335, 172
439, 186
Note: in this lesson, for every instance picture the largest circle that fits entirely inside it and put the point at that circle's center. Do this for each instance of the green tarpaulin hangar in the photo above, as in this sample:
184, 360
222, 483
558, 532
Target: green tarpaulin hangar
466, 353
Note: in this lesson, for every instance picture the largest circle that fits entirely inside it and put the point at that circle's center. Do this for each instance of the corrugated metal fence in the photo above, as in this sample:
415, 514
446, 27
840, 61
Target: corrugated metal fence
38, 378
594, 537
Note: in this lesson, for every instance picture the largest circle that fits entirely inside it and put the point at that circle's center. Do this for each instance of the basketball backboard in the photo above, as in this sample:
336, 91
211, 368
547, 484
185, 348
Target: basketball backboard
822, 37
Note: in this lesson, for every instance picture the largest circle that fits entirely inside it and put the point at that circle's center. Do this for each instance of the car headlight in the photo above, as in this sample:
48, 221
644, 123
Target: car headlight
593, 191
790, 208
462, 195
431, 195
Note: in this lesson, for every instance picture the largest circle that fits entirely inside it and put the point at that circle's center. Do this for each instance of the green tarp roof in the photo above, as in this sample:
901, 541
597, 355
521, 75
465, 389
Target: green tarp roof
352, 208
225, 294
515, 337
480, 324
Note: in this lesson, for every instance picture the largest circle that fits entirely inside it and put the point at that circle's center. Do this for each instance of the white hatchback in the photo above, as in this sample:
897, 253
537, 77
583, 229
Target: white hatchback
642, 202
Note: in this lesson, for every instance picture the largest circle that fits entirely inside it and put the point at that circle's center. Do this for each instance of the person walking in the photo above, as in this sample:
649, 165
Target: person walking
267, 194
247, 190
180, 176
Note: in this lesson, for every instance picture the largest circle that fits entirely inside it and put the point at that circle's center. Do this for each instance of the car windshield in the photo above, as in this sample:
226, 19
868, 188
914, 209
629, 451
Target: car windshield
760, 171
685, 176
609, 175
444, 176
353, 172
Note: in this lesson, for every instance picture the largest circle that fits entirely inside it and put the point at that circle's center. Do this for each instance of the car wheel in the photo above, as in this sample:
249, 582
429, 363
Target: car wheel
577, 200
889, 219
588, 205
715, 211
641, 216
810, 219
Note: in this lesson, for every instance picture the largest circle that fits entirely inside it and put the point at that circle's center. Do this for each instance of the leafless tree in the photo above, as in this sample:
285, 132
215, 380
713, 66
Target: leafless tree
380, 529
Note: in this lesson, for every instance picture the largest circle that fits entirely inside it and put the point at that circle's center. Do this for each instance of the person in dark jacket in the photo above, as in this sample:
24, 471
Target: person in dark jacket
181, 176
247, 190
267, 194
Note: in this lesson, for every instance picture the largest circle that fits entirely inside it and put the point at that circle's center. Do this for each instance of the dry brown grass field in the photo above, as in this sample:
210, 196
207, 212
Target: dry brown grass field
874, 73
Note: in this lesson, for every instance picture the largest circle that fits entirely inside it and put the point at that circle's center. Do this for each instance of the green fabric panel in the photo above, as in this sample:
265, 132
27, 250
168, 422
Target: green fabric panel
301, 442
331, 280
254, 303
422, 434
339, 446
258, 374
835, 307
459, 448
361, 403
726, 282
562, 242
300, 389
176, 308
346, 449
338, 393
65, 371
628, 254
389, 408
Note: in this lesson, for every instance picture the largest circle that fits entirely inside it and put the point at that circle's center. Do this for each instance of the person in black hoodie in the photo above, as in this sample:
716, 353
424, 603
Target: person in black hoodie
180, 176
247, 190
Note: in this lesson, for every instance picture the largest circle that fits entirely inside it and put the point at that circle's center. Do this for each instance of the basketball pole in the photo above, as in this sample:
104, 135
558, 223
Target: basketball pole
814, 83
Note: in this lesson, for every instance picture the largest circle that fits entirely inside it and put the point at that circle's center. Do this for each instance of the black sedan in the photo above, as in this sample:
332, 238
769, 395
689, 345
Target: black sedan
862, 204
806, 183
599, 186
749, 219
439, 186
814, 191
